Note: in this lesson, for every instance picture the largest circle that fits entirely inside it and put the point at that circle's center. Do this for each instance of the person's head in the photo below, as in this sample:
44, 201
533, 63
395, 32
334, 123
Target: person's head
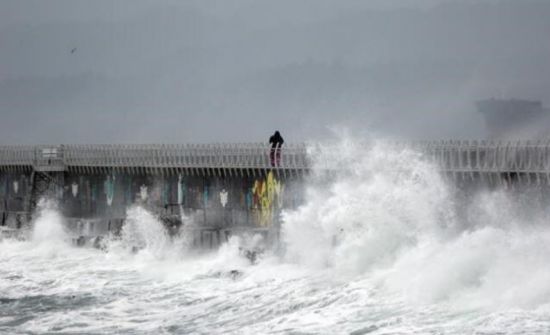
277, 133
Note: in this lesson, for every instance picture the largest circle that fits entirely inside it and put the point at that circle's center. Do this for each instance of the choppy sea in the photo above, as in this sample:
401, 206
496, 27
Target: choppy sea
388, 247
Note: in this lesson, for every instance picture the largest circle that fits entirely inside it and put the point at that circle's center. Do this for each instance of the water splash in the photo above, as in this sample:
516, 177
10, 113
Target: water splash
142, 231
380, 202
48, 226
391, 218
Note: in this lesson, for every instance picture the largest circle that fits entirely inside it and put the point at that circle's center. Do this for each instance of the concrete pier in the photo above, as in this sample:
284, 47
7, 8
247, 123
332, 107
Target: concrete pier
215, 189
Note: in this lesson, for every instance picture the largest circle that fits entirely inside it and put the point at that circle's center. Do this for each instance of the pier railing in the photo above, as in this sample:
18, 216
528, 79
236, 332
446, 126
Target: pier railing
209, 156
451, 156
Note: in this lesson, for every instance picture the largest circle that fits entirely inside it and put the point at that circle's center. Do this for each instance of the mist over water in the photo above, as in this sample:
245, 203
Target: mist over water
386, 245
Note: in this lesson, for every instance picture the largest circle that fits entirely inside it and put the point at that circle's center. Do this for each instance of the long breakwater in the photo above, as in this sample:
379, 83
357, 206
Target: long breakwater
218, 189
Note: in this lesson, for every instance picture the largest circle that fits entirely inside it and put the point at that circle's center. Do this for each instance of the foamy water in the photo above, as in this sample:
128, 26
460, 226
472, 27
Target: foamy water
383, 248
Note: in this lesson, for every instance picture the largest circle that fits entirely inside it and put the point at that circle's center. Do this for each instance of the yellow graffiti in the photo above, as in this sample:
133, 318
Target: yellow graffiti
267, 196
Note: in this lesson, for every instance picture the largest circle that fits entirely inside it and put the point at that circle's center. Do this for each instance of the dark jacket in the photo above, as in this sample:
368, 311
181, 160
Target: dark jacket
276, 140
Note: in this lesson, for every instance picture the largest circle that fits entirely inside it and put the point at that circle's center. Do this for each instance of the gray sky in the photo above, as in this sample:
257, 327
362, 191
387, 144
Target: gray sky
79, 71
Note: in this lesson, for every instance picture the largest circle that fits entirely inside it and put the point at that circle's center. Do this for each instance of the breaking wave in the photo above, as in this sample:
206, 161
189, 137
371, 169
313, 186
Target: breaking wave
389, 216
48, 227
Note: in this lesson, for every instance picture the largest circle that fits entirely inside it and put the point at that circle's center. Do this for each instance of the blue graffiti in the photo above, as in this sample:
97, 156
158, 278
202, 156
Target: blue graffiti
205, 196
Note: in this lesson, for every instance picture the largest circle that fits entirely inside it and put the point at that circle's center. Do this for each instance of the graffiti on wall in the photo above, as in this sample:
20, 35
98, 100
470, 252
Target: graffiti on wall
223, 197
143, 194
181, 190
205, 195
13, 191
74, 189
256, 201
267, 198
109, 189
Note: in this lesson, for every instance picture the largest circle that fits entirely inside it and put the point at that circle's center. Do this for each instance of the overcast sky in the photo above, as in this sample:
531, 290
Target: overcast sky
134, 71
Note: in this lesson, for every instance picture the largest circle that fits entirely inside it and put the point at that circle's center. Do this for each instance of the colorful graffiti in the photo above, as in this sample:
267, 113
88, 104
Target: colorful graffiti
267, 197
235, 201
206, 194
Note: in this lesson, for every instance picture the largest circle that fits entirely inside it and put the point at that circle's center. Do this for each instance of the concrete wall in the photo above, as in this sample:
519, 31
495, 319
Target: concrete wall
95, 203
212, 201
15, 192
209, 202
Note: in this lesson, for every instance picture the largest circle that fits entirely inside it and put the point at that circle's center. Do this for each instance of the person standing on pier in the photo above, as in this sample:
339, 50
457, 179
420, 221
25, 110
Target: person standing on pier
276, 141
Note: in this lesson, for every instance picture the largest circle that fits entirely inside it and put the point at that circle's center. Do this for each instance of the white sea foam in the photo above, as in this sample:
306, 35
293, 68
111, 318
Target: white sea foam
144, 232
381, 202
386, 246
48, 225
390, 216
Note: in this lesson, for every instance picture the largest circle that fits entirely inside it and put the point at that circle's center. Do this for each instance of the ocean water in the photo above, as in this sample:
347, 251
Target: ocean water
384, 247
